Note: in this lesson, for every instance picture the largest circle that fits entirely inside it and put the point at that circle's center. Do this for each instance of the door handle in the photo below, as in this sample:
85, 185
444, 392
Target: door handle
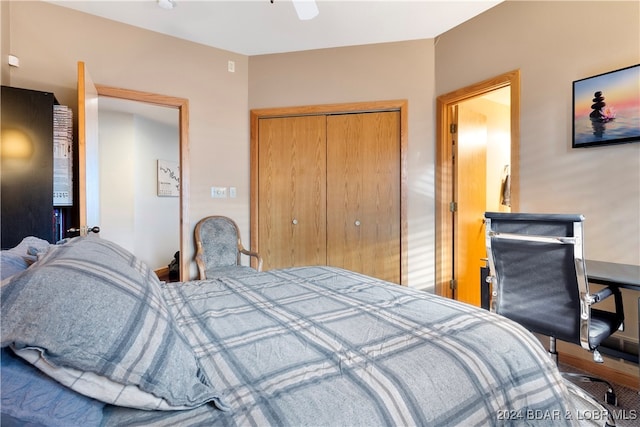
94, 229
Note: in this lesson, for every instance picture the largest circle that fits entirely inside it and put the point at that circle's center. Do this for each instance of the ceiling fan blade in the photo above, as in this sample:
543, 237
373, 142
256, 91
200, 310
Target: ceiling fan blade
306, 9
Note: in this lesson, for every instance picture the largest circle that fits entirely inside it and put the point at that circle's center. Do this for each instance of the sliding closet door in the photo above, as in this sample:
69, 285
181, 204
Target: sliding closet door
363, 193
292, 191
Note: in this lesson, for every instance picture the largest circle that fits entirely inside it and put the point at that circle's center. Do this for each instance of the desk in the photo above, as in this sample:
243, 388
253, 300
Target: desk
615, 275
601, 272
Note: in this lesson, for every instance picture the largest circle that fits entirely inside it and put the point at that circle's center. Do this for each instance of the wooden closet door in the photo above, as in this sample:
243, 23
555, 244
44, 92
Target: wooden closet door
363, 193
292, 191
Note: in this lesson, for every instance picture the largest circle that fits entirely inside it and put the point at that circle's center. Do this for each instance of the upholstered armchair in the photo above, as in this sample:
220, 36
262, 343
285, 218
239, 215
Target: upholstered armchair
219, 249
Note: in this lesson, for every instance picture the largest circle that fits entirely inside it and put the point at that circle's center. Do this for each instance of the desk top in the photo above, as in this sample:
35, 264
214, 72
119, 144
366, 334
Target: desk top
611, 273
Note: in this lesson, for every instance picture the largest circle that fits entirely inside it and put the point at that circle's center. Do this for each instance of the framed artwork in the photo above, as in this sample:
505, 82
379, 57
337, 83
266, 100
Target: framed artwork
606, 108
168, 178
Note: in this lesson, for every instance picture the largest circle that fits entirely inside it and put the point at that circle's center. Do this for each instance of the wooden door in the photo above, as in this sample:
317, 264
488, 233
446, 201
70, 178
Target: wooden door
292, 191
471, 198
88, 155
363, 193
444, 172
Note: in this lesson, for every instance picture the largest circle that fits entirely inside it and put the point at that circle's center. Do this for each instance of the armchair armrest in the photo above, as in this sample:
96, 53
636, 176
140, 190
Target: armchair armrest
256, 255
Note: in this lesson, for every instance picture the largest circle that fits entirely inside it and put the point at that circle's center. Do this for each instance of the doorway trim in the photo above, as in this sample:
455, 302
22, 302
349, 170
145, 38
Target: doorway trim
400, 105
182, 104
445, 167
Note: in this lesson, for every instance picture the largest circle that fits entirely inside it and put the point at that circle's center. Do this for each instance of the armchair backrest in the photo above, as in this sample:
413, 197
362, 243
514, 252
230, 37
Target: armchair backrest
538, 273
217, 242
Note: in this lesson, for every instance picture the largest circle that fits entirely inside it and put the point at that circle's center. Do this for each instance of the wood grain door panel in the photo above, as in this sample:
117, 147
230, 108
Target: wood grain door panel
292, 191
471, 189
363, 193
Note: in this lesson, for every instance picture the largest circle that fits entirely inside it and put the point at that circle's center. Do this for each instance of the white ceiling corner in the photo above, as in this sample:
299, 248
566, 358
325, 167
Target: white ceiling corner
257, 27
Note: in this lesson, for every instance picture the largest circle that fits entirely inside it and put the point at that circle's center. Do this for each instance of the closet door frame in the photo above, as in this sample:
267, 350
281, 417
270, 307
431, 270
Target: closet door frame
358, 107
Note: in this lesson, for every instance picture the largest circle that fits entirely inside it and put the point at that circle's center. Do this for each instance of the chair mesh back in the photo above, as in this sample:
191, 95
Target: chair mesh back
536, 282
219, 239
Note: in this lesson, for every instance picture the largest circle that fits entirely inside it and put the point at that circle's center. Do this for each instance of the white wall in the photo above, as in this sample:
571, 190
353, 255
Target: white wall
132, 214
117, 205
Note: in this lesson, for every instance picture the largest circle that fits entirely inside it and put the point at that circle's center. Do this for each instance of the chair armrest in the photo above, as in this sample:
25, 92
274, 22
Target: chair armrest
606, 293
601, 295
253, 254
202, 275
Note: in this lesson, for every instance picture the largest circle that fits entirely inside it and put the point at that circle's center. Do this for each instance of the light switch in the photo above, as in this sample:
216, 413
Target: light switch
219, 192
232, 192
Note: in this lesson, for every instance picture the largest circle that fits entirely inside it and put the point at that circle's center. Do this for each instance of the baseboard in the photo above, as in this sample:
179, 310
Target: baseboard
601, 371
162, 273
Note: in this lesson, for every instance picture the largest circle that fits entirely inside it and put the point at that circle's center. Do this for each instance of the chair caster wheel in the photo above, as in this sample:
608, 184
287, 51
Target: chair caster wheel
610, 398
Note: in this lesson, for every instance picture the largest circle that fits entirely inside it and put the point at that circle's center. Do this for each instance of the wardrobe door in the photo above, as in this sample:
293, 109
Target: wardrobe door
292, 191
363, 193
26, 181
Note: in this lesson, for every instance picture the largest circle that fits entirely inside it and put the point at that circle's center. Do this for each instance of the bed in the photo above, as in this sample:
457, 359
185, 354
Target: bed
91, 337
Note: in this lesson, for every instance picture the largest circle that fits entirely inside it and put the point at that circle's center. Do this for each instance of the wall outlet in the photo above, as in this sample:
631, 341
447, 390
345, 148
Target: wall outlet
219, 192
232, 192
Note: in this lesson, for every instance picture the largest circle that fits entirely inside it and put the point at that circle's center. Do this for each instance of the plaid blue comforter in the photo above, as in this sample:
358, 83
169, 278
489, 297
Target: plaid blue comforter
320, 346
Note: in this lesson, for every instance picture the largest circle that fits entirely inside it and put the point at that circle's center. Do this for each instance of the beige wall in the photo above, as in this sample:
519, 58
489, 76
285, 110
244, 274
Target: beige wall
4, 41
49, 40
553, 44
403, 70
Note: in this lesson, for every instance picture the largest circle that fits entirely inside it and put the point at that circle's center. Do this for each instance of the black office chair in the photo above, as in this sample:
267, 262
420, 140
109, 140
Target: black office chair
538, 279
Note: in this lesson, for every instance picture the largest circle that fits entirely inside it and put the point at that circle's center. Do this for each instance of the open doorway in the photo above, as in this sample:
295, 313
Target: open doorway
477, 170
138, 141
182, 106
88, 147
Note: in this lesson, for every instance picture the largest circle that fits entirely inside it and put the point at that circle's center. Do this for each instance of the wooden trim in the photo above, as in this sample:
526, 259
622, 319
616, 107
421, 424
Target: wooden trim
82, 146
391, 105
445, 167
162, 273
182, 104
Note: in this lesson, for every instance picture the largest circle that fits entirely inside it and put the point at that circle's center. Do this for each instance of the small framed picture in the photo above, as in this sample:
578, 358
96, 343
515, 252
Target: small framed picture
168, 178
606, 108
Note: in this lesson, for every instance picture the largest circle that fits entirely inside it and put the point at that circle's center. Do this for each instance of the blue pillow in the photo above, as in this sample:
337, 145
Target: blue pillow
11, 263
31, 397
93, 307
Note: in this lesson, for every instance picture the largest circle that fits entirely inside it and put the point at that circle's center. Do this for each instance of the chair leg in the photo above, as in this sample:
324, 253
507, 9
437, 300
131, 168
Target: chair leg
597, 357
552, 349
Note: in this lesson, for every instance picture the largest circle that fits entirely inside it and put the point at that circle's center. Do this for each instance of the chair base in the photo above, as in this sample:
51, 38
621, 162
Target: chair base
609, 395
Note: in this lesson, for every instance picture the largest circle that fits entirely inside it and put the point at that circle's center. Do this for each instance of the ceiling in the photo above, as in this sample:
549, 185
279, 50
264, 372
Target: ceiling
165, 115
257, 27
